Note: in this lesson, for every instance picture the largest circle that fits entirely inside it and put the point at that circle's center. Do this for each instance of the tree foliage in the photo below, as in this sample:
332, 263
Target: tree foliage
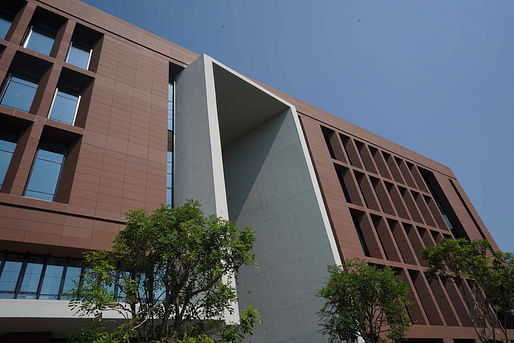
170, 275
489, 274
363, 300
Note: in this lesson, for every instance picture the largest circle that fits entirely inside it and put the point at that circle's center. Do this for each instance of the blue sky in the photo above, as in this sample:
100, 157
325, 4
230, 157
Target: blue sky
434, 76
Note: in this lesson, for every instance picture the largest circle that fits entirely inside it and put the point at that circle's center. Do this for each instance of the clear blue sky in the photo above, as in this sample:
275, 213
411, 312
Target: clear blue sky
434, 76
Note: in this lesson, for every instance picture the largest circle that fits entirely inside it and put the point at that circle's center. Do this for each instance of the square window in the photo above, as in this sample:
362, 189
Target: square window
39, 39
64, 107
79, 55
19, 92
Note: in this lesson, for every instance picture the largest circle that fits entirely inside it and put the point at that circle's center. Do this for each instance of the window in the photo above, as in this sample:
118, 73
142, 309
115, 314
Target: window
31, 276
169, 179
46, 170
39, 39
7, 146
10, 272
72, 276
52, 278
79, 55
64, 107
170, 106
37, 277
5, 24
19, 92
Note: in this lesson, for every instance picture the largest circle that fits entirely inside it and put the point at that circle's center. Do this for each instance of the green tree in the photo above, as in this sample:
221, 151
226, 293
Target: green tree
489, 274
363, 300
170, 275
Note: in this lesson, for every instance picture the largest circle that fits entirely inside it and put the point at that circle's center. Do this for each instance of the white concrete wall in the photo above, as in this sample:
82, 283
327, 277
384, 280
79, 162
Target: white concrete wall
198, 171
270, 188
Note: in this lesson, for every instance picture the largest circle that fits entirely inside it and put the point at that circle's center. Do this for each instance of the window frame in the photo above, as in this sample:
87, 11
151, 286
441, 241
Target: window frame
88, 59
76, 107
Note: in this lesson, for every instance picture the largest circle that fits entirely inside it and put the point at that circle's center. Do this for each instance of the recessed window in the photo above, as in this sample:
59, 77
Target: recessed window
7, 146
46, 170
170, 106
19, 92
5, 24
40, 39
169, 179
84, 49
79, 55
64, 106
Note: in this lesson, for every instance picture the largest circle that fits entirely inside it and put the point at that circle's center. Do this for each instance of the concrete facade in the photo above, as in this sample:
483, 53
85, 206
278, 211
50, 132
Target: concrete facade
315, 188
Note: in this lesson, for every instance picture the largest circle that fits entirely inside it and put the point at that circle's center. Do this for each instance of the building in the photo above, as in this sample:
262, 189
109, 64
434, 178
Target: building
84, 137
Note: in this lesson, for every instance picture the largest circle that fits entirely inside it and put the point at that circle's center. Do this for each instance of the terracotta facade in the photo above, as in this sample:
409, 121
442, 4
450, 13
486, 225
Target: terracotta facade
377, 193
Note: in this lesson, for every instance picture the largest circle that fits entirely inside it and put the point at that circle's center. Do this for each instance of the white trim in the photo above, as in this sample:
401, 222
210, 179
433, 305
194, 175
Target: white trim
89, 58
52, 105
27, 36
317, 190
31, 308
220, 195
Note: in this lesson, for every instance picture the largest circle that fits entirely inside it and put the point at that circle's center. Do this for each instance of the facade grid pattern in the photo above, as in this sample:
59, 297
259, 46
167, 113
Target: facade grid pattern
384, 202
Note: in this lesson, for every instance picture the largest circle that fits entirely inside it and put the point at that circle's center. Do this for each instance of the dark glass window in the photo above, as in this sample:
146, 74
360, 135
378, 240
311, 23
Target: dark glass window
10, 272
170, 106
65, 105
19, 92
169, 179
72, 276
39, 39
46, 171
5, 24
79, 55
31, 277
38, 277
7, 146
52, 278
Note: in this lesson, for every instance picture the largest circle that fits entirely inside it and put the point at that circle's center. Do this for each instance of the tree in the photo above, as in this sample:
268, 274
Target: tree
170, 275
489, 274
363, 300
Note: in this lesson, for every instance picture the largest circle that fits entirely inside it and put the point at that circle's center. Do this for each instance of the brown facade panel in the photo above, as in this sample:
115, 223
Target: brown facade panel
385, 203
384, 235
351, 151
366, 157
426, 298
380, 163
402, 242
